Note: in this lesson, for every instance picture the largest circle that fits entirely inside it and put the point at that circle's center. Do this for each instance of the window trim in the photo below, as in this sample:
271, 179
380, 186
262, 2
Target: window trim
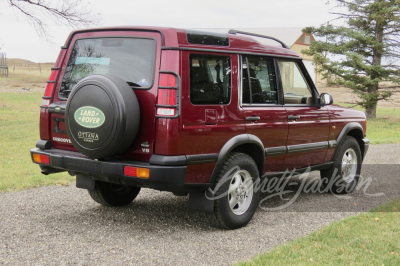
241, 104
154, 63
314, 91
231, 83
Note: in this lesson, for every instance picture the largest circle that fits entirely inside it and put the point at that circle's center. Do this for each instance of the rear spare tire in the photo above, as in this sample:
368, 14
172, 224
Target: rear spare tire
102, 116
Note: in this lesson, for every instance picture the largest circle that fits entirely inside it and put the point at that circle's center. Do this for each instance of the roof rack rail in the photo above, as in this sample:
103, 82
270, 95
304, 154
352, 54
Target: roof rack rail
232, 31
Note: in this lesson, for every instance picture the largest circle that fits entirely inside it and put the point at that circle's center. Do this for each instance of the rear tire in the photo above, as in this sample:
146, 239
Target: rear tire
236, 200
342, 177
113, 195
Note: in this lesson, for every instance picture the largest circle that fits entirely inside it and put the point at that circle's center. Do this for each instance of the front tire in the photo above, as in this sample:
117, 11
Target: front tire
342, 177
236, 201
113, 195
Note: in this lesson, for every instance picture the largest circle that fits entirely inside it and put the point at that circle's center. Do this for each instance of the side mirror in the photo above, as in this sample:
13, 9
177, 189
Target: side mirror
325, 99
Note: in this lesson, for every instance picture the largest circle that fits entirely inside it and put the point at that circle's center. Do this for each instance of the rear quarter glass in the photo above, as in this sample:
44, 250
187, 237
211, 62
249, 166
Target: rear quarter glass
130, 58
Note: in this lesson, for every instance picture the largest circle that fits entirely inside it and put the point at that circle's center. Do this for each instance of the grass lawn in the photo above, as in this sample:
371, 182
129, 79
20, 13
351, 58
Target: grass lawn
385, 128
19, 131
371, 238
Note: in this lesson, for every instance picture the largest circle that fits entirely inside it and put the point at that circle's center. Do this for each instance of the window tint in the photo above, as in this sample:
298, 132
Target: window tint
262, 87
210, 79
132, 59
295, 87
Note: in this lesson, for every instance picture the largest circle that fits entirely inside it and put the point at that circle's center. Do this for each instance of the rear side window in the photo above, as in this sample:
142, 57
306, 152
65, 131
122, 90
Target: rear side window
210, 79
132, 59
259, 81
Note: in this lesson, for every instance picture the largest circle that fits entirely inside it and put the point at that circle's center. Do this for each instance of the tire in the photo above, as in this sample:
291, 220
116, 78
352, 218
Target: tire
342, 177
235, 171
113, 195
102, 116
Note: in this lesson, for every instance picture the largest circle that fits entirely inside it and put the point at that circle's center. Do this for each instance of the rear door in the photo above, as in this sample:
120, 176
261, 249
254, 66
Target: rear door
133, 56
308, 123
265, 116
209, 102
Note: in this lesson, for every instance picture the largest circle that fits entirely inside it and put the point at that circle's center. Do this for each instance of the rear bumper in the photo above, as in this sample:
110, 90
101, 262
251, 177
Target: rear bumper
162, 177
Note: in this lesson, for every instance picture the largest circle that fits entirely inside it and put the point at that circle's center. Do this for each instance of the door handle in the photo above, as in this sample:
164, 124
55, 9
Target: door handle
293, 117
252, 118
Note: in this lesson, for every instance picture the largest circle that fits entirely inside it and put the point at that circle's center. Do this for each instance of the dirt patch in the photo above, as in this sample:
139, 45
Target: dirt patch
345, 95
18, 86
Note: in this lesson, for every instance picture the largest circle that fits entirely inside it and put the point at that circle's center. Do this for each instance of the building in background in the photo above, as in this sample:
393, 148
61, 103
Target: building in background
293, 37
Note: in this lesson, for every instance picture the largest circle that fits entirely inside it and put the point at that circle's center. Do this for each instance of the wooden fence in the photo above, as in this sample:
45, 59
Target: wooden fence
3, 65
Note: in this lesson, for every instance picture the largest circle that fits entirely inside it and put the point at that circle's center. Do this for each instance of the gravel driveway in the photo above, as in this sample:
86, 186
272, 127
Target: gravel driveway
62, 225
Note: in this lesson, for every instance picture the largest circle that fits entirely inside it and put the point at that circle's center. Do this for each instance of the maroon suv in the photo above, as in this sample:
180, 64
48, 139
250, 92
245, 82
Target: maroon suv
198, 113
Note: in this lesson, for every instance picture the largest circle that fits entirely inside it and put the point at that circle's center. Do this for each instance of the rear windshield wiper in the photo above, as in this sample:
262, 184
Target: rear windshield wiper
133, 84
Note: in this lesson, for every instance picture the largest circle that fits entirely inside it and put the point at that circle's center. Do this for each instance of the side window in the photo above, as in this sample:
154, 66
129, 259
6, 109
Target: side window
262, 86
295, 87
210, 79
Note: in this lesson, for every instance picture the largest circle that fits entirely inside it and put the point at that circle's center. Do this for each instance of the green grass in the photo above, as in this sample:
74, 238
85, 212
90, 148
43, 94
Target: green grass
19, 131
385, 128
371, 238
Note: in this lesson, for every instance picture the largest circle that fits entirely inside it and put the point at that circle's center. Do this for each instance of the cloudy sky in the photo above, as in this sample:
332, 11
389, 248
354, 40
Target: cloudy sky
20, 39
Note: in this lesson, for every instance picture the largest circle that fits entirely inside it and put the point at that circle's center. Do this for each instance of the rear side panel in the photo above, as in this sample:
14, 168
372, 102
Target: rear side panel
143, 146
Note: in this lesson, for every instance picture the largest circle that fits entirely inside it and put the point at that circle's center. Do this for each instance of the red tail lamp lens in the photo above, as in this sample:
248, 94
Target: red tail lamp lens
49, 90
53, 75
167, 80
166, 97
50, 86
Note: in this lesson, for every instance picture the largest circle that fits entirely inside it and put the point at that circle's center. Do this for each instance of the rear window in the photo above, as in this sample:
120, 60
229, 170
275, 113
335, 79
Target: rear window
132, 59
210, 79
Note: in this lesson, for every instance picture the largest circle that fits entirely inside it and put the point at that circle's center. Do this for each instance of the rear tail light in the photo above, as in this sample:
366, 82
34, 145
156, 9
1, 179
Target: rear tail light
51, 83
136, 172
40, 158
168, 95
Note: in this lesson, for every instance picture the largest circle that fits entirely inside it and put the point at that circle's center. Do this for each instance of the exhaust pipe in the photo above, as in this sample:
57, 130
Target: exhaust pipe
50, 170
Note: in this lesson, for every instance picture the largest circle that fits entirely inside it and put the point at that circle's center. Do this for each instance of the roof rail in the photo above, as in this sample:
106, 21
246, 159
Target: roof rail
232, 31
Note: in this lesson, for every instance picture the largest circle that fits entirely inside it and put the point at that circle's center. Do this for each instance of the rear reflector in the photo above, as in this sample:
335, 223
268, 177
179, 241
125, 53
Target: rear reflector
136, 172
40, 158
166, 111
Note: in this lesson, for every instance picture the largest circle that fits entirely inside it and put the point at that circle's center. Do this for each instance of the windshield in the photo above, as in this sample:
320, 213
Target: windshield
132, 59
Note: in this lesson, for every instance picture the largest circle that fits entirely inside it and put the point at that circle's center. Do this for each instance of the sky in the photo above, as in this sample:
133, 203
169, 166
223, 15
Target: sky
19, 39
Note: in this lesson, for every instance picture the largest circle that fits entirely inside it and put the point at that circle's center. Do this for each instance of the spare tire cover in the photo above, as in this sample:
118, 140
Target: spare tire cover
102, 116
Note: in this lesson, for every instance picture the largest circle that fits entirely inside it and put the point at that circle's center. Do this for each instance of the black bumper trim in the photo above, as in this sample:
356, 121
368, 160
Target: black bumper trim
162, 177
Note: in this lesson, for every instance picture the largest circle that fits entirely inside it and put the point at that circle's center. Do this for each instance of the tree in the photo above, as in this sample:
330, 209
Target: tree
363, 55
62, 12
